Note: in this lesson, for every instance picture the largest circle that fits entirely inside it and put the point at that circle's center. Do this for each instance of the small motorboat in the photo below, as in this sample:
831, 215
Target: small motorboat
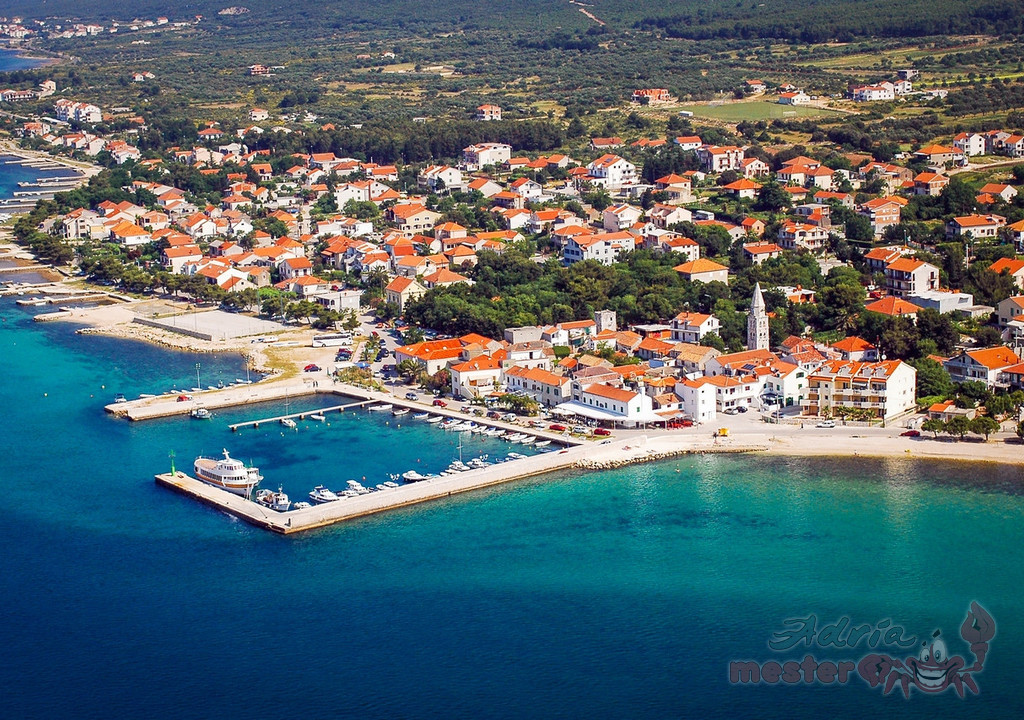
390, 484
288, 422
435, 419
274, 500
381, 408
381, 486
421, 416
542, 443
398, 412
413, 476
120, 398
516, 456
320, 494
201, 413
301, 505
319, 417
528, 440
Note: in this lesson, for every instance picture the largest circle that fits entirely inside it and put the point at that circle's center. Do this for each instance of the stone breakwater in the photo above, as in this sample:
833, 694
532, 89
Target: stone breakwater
653, 450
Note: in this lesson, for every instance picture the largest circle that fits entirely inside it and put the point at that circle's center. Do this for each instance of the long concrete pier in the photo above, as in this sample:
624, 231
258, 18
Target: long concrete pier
299, 415
234, 395
621, 452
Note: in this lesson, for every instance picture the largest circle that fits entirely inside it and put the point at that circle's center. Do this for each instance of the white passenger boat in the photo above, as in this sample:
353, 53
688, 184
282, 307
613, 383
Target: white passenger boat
274, 500
320, 494
201, 413
228, 474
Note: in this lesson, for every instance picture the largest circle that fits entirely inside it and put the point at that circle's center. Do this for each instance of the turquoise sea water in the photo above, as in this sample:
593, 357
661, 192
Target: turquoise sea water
618, 594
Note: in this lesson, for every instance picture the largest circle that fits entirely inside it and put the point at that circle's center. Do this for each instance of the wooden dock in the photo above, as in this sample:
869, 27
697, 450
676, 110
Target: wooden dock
300, 415
614, 454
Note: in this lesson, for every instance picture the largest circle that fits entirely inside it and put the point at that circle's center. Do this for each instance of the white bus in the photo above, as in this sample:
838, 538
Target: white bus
332, 340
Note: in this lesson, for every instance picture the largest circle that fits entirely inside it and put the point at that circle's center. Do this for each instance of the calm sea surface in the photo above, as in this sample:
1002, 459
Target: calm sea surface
9, 60
620, 594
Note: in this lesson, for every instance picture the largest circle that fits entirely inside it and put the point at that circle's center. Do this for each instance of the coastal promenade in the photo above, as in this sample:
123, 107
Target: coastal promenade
614, 454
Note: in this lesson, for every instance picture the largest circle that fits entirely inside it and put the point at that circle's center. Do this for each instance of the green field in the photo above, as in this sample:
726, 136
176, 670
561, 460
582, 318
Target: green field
756, 110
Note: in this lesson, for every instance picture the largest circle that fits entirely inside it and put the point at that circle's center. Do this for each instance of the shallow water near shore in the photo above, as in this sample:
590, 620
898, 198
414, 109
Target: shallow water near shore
611, 594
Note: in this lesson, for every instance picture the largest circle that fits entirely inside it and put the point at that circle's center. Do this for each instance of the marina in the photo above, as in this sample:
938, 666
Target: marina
168, 405
330, 508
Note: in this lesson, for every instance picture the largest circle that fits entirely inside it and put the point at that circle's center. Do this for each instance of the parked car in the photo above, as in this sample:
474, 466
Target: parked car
494, 414
311, 368
602, 431
687, 423
184, 398
509, 417
731, 411
911, 433
827, 424
438, 402
742, 408
557, 428
411, 396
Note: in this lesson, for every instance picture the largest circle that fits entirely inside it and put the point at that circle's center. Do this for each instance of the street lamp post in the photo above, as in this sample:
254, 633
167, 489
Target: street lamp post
198, 384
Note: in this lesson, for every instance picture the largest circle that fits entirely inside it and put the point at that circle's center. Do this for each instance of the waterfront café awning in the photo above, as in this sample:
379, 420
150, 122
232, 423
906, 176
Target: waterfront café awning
574, 407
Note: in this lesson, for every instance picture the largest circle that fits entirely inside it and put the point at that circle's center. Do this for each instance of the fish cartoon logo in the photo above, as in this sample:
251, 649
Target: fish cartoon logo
934, 670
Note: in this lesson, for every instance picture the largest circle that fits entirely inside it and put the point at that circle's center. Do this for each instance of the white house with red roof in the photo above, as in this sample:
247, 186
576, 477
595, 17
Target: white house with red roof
887, 388
292, 267
611, 404
176, 257
703, 270
488, 112
401, 290
1012, 266
793, 235
987, 365
476, 377
909, 276
612, 172
603, 247
620, 216
979, 226
758, 252
443, 277
691, 327
970, 143
445, 177
719, 158
480, 155
544, 386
